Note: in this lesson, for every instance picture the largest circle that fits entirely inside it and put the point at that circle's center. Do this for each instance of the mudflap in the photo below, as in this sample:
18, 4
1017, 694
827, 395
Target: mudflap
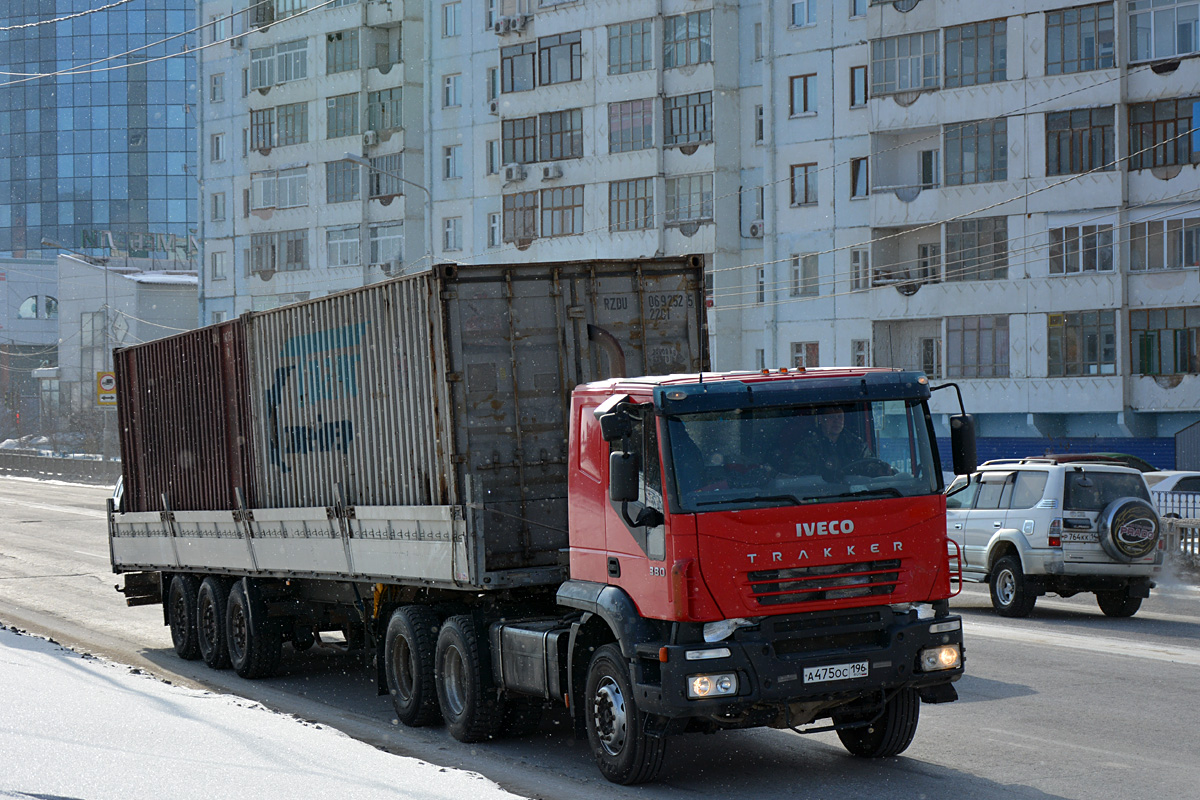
941, 693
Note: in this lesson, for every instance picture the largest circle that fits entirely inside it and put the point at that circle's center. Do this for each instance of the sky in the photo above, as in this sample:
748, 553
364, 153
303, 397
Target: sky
75, 726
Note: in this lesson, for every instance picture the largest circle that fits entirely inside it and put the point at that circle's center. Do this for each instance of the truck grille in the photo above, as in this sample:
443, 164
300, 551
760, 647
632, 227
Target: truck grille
775, 587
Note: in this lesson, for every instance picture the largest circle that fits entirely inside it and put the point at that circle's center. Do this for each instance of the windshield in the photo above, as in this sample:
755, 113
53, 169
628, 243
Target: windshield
1092, 491
755, 458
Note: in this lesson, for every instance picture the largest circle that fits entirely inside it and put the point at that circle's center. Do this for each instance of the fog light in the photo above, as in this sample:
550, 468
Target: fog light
939, 658
702, 686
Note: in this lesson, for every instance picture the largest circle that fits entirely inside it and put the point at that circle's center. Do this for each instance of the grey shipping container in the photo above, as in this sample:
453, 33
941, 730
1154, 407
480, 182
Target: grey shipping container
448, 390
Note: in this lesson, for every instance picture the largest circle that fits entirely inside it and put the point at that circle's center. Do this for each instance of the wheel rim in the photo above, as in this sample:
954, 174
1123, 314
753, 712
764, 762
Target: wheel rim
238, 633
208, 621
404, 668
454, 680
1006, 587
179, 619
608, 713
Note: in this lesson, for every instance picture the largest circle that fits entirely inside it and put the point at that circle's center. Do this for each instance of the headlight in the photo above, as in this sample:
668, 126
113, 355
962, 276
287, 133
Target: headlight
719, 631
939, 658
703, 686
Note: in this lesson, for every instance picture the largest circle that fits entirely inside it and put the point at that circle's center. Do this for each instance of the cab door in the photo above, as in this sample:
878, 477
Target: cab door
636, 554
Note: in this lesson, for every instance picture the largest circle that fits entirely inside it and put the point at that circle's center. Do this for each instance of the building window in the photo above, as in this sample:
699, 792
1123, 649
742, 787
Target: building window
805, 280
860, 352
976, 152
452, 233
977, 249
1158, 133
263, 187
904, 63
803, 95
451, 20
929, 262
804, 13
977, 347
806, 354
516, 67
284, 62
520, 217
687, 118
630, 125
217, 213
218, 268
383, 177
341, 182
1081, 343
490, 14
930, 168
342, 116
451, 166
859, 179
1079, 141
562, 211
1164, 341
560, 58
451, 96
493, 82
518, 139
1079, 39
293, 249
976, 53
220, 28
631, 204
291, 123
342, 246
860, 268
341, 51
758, 41
216, 88
858, 87
931, 356
291, 187
759, 125
262, 129
1163, 29
263, 248
1164, 244
630, 47
561, 135
858, 8
384, 109
687, 39
1081, 248
690, 199
495, 230
387, 243
216, 151
804, 184
493, 157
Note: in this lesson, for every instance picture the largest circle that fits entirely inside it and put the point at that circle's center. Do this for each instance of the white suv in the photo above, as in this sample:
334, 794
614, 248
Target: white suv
1034, 525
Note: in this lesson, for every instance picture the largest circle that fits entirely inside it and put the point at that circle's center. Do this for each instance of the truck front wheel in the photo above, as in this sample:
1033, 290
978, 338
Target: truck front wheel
615, 727
181, 616
408, 647
887, 735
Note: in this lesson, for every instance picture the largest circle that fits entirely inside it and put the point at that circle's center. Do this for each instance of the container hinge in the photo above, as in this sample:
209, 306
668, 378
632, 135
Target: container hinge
576, 312
449, 294
167, 516
330, 512
349, 513
454, 377
459, 459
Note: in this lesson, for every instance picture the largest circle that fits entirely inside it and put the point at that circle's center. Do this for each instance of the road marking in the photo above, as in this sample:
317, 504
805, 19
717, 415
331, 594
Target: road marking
91, 555
83, 512
1095, 644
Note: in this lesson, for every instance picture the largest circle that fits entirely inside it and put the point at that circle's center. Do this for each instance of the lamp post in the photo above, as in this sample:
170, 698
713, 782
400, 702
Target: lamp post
364, 162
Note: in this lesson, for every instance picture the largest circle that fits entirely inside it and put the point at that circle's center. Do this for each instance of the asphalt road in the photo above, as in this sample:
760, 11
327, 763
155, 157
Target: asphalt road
1064, 704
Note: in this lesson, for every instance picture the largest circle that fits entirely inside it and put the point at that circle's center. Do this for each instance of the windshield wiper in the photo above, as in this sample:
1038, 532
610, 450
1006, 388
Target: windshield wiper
886, 491
758, 498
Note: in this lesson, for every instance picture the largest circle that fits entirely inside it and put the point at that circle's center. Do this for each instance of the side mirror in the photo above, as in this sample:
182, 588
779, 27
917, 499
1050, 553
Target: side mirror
623, 477
615, 425
962, 443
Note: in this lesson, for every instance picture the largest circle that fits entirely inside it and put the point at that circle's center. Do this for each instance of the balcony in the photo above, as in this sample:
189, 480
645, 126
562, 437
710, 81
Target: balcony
906, 168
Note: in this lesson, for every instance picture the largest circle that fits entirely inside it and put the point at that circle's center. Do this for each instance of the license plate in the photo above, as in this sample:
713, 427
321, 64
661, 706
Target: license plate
1080, 536
835, 672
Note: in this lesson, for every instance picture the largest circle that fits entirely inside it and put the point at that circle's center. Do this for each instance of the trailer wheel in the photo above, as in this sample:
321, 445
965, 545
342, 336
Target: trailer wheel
615, 727
255, 642
465, 687
181, 616
210, 622
890, 734
409, 646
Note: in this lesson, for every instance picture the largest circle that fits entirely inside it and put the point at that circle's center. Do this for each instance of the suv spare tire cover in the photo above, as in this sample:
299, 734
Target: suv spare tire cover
1129, 529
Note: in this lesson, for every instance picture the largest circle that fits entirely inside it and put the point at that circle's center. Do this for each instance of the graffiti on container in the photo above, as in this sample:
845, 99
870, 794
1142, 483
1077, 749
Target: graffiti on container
324, 367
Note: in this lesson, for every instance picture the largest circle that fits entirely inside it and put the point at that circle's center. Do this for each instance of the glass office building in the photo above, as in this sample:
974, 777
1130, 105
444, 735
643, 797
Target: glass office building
99, 156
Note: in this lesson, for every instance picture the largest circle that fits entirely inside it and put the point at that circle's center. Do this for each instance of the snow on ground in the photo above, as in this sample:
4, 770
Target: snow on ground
77, 727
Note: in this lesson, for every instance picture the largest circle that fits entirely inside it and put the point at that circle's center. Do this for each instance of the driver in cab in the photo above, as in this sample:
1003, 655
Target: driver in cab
830, 449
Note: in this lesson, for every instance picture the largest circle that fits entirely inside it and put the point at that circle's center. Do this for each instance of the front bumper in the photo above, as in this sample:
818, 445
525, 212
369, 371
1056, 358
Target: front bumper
770, 660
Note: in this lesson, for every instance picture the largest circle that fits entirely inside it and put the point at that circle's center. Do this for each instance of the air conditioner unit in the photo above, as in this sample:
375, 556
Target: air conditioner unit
500, 25
514, 172
518, 22
551, 172
757, 228
237, 42
370, 138
493, 106
391, 267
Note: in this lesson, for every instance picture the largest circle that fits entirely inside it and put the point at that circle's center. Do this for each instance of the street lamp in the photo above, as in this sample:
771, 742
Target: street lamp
364, 162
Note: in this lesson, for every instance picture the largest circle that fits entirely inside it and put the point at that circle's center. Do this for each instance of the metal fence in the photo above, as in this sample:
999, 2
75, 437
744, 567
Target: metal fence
75, 470
1182, 538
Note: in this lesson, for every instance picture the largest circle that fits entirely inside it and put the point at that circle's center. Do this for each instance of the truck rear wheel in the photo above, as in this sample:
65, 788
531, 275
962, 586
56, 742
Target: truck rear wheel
409, 646
181, 616
255, 642
210, 622
890, 734
465, 687
1118, 603
615, 727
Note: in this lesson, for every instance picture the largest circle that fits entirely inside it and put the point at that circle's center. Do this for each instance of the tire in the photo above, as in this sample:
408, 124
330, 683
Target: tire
255, 643
1118, 604
465, 688
1011, 594
181, 616
409, 647
890, 734
210, 622
615, 727
1129, 529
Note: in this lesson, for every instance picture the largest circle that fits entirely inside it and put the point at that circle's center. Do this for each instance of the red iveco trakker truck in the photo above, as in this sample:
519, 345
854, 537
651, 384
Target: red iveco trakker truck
439, 468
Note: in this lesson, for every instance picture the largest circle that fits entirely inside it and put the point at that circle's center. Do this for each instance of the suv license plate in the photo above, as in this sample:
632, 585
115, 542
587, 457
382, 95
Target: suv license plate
1080, 536
835, 672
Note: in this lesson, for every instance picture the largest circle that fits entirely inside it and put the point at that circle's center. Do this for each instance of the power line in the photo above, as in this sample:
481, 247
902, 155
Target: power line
63, 19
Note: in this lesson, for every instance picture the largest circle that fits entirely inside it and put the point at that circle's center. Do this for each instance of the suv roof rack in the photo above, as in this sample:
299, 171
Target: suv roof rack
1055, 459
